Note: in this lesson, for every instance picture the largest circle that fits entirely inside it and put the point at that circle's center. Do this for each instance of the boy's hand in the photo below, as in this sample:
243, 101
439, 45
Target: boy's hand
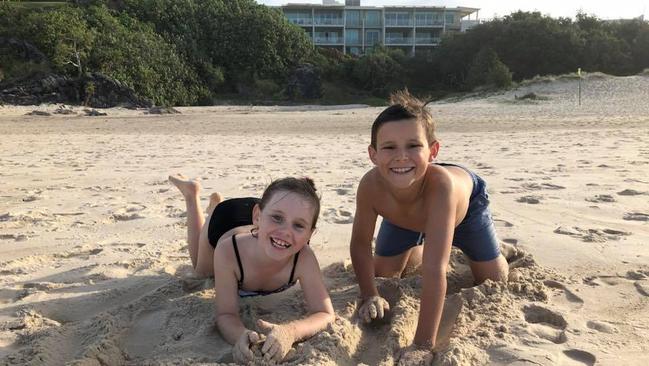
279, 340
373, 308
241, 352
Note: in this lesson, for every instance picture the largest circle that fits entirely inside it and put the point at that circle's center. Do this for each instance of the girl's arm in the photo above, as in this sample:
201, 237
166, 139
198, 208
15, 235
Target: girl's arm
280, 337
437, 251
321, 311
226, 298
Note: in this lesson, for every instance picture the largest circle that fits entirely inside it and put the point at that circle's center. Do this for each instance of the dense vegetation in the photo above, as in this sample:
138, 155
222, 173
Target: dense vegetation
184, 52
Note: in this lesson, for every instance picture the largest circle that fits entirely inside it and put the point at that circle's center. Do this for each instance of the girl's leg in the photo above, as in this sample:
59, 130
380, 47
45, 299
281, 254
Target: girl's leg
195, 219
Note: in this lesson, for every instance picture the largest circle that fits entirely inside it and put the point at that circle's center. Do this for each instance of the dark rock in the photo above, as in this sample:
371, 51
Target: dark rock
163, 110
304, 82
94, 90
21, 49
38, 113
531, 96
94, 113
62, 109
100, 91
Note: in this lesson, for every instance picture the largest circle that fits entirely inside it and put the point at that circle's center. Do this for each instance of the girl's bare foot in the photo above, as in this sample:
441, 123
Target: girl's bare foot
215, 199
188, 187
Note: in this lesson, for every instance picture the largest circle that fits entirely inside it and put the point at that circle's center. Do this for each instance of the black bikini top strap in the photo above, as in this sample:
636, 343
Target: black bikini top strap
236, 253
290, 280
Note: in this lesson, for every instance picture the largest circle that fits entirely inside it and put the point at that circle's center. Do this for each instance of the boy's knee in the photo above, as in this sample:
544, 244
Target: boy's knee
495, 270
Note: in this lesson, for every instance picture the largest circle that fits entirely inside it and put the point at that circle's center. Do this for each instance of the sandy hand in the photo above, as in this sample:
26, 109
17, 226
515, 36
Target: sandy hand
373, 308
241, 352
279, 339
415, 356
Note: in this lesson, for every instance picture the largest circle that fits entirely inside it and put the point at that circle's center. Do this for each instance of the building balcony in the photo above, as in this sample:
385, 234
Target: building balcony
398, 41
398, 23
427, 41
302, 21
328, 41
429, 23
329, 22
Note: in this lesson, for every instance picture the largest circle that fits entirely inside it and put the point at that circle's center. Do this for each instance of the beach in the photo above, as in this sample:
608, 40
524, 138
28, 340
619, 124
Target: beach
95, 268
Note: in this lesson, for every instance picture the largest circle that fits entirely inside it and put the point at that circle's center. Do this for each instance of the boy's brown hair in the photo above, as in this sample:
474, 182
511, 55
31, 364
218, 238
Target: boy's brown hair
404, 106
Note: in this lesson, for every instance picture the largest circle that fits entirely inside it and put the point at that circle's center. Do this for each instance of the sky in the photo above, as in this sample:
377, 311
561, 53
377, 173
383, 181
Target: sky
489, 8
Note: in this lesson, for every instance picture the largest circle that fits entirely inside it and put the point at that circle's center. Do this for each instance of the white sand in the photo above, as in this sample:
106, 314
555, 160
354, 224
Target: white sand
94, 269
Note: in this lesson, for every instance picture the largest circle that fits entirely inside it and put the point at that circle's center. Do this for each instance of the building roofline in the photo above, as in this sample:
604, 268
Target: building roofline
463, 9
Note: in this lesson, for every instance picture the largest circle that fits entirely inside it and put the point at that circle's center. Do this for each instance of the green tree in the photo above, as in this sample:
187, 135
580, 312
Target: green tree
487, 70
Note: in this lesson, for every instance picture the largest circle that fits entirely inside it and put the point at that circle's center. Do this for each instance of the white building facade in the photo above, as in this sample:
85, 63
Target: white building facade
352, 28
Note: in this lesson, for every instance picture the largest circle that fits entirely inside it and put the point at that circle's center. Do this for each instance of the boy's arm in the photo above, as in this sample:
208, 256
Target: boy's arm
361, 242
437, 251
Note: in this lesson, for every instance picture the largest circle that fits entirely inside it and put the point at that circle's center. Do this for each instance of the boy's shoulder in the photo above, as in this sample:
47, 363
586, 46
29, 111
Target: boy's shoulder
370, 182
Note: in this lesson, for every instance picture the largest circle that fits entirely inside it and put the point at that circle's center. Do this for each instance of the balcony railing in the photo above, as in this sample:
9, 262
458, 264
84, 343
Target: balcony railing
430, 23
398, 40
301, 21
372, 23
353, 23
398, 23
427, 40
329, 21
328, 40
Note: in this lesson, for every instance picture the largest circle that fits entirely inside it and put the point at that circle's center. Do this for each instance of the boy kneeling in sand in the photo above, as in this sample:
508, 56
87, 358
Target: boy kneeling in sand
259, 247
441, 204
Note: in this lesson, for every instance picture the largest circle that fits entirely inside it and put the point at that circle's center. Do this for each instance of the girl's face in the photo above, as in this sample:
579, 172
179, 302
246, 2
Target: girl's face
285, 224
402, 152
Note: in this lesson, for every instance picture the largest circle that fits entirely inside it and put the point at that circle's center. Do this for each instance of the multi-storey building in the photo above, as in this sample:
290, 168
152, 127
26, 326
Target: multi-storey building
352, 28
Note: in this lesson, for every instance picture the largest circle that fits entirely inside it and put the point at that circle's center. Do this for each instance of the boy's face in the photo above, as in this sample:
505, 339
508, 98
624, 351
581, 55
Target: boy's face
402, 152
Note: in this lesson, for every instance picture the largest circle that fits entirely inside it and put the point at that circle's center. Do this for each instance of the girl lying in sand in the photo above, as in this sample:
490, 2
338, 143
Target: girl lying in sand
258, 247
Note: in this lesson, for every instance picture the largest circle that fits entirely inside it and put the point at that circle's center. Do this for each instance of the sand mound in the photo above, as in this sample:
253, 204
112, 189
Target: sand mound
167, 319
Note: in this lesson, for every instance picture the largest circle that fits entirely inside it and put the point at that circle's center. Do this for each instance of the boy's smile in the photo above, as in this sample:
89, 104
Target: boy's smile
402, 152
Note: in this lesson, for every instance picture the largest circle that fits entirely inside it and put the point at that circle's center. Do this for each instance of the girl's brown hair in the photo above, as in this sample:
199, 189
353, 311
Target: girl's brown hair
304, 187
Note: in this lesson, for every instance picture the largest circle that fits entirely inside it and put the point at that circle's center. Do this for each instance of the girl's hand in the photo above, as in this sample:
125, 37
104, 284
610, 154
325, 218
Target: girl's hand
372, 308
241, 350
415, 356
279, 339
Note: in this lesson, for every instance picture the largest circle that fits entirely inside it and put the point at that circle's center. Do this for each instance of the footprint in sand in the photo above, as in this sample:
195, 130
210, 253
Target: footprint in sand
502, 223
601, 198
642, 286
592, 235
533, 200
129, 213
338, 216
570, 296
15, 237
630, 192
546, 324
537, 186
601, 326
578, 355
636, 216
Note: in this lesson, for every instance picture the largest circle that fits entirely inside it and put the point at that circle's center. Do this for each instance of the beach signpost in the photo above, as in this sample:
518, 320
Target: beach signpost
579, 75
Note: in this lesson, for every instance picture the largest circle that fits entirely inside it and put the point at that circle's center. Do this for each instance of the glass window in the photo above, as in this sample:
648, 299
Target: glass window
372, 18
438, 18
450, 18
424, 18
372, 37
352, 36
353, 17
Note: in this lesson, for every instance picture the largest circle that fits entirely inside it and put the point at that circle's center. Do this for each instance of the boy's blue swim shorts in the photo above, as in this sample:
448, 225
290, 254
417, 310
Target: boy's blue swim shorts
475, 235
